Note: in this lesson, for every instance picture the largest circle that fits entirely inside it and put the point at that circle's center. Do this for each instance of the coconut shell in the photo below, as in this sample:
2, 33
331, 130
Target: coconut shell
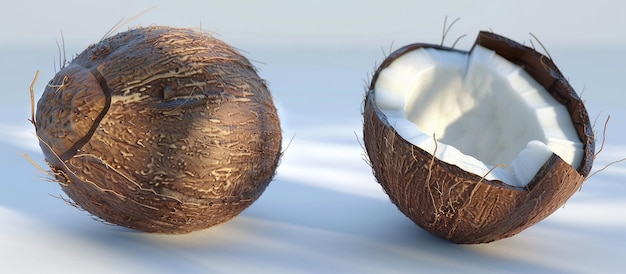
160, 129
460, 206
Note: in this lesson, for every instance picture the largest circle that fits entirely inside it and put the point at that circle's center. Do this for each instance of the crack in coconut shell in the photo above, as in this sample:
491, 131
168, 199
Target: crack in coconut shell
107, 104
461, 206
160, 129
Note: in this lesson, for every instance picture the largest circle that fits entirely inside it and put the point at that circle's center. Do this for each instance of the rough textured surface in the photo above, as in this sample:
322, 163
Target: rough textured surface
460, 206
161, 130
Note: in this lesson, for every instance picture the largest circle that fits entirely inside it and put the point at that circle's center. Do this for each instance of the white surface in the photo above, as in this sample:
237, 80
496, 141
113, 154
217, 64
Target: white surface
324, 212
486, 115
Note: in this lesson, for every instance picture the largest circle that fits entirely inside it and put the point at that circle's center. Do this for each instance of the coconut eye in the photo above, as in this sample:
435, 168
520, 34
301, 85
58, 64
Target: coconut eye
481, 147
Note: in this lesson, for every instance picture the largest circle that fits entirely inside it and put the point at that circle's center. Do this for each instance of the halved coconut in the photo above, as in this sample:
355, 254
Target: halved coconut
476, 146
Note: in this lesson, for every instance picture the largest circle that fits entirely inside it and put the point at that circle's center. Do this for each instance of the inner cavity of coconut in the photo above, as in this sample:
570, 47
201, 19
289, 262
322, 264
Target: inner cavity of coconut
485, 112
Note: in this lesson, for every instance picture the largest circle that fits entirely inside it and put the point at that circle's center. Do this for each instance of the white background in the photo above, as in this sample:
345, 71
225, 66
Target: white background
324, 212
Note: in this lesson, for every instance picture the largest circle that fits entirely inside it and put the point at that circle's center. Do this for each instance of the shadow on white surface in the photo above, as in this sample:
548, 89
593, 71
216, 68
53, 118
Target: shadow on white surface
320, 214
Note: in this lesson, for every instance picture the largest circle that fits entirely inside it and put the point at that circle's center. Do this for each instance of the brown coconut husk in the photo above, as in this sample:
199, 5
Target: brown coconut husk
460, 206
160, 129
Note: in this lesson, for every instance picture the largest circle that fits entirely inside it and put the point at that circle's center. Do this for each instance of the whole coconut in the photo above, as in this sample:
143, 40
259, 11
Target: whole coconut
160, 129
476, 146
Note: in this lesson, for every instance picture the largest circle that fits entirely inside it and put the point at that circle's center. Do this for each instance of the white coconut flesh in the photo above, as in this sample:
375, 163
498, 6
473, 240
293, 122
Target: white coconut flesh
488, 116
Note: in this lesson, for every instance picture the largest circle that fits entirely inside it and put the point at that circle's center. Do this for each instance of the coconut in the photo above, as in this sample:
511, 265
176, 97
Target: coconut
475, 146
160, 129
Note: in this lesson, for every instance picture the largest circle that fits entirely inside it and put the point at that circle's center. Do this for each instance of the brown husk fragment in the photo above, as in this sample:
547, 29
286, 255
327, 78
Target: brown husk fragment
460, 206
160, 129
